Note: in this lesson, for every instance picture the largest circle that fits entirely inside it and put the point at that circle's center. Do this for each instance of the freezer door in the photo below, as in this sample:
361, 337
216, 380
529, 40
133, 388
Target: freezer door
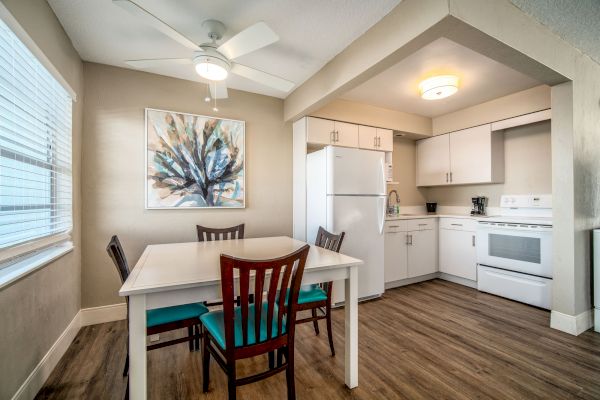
354, 171
362, 218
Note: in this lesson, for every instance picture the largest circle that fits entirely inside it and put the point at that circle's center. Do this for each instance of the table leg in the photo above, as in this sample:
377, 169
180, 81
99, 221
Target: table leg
137, 347
351, 325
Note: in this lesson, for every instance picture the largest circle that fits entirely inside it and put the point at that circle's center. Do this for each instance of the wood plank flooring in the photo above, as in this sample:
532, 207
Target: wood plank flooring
431, 340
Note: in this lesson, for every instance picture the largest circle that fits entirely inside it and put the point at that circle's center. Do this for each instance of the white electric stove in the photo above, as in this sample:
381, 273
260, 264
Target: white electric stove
514, 250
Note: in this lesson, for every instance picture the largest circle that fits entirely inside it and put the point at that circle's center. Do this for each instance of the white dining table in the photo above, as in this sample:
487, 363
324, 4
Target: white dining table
182, 273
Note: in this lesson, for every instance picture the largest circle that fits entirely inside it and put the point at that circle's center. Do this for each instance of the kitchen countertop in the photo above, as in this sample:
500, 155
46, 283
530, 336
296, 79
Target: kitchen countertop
419, 216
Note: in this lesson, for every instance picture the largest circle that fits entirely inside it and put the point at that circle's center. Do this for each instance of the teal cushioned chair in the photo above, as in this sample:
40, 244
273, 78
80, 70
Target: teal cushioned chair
318, 297
258, 325
161, 319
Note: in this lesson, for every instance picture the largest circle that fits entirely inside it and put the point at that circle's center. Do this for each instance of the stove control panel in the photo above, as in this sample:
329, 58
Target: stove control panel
526, 201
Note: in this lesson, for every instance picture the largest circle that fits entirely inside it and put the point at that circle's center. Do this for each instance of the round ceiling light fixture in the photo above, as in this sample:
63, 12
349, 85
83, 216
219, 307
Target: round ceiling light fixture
213, 67
438, 87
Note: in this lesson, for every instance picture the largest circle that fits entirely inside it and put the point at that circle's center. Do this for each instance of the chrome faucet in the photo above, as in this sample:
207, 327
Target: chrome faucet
391, 210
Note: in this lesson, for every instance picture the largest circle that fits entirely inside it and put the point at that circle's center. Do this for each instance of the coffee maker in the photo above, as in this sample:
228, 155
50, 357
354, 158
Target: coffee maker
478, 205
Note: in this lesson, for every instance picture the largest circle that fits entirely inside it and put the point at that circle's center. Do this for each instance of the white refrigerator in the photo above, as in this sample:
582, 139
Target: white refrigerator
346, 191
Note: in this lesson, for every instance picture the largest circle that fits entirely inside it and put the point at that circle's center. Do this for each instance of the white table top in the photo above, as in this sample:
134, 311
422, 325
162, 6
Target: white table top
180, 265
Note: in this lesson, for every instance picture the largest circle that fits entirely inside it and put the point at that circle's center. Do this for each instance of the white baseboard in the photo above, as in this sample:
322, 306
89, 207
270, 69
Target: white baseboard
42, 371
572, 324
458, 279
102, 314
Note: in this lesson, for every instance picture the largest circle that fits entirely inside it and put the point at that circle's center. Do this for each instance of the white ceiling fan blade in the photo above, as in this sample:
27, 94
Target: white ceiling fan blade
218, 90
250, 39
157, 62
263, 78
153, 21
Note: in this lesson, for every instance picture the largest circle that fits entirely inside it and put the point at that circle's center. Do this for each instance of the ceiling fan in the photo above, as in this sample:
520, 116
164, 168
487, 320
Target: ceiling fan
212, 61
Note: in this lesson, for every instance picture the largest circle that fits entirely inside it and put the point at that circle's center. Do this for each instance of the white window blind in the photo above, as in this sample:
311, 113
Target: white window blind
35, 148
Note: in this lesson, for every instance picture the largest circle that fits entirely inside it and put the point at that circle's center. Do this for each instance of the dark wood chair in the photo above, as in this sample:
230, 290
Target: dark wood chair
209, 234
318, 297
206, 234
259, 325
162, 319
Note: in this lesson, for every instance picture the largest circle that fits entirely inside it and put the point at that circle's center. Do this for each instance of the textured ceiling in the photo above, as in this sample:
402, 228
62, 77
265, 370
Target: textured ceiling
311, 32
575, 21
481, 79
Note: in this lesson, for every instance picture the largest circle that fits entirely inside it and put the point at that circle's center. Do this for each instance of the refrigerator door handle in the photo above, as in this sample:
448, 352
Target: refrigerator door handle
381, 221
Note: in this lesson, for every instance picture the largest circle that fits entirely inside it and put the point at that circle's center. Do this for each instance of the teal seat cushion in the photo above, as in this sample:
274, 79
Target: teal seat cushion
214, 324
308, 294
165, 315
311, 293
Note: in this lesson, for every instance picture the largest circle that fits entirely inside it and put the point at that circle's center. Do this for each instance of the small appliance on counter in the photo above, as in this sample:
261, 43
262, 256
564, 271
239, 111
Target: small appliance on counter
431, 207
478, 206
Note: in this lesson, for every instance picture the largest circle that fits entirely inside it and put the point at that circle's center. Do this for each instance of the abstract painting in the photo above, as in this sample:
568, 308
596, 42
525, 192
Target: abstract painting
194, 161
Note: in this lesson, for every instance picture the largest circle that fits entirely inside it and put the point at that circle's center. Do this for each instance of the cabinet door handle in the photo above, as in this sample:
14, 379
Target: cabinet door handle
446, 177
423, 224
374, 141
473, 241
332, 136
456, 224
378, 141
337, 136
450, 176
410, 240
394, 226
407, 242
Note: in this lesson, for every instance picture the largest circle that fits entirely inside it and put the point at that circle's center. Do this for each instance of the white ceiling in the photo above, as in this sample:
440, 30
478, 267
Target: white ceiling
481, 79
311, 32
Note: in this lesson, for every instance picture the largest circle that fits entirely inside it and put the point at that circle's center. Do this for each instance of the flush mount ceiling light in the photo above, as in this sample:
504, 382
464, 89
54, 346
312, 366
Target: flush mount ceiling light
438, 87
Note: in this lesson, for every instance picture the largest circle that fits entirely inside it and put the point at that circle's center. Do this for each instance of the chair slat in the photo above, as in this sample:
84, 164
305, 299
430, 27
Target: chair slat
271, 295
259, 281
244, 286
210, 234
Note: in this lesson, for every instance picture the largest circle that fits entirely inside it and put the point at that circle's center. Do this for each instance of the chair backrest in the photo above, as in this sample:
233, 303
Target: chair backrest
209, 234
328, 240
279, 275
115, 251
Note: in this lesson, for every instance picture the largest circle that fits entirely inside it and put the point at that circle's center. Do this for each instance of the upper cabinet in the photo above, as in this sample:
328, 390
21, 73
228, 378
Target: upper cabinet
325, 131
371, 138
474, 155
321, 131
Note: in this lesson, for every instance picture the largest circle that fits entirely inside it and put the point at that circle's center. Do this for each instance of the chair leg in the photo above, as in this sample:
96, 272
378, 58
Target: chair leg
205, 364
329, 332
231, 382
289, 374
271, 360
126, 368
191, 336
197, 335
315, 322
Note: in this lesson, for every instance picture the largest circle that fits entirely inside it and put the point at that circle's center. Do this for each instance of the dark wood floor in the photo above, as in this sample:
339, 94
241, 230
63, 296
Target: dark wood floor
429, 340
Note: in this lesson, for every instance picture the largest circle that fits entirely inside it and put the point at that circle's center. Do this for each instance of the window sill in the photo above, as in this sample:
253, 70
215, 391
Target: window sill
31, 263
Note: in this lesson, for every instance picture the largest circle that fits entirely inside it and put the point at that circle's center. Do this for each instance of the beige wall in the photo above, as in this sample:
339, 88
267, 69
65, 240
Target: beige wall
404, 163
36, 309
365, 114
113, 170
528, 169
512, 105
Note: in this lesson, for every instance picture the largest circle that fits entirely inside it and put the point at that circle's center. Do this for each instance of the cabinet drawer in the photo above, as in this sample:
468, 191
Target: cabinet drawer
422, 224
395, 226
459, 224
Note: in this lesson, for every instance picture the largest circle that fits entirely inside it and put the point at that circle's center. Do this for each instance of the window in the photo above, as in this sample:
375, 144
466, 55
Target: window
35, 151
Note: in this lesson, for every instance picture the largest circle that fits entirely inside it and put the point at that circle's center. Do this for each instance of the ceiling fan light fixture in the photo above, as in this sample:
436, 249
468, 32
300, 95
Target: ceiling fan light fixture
211, 68
438, 87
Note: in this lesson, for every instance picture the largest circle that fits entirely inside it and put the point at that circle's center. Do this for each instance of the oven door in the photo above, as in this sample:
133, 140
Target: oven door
515, 247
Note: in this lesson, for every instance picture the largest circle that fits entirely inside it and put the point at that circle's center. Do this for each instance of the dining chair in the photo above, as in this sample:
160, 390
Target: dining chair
258, 325
161, 319
317, 297
206, 234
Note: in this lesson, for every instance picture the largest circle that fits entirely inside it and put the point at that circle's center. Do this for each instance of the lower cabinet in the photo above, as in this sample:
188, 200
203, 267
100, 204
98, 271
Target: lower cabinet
457, 248
422, 253
411, 248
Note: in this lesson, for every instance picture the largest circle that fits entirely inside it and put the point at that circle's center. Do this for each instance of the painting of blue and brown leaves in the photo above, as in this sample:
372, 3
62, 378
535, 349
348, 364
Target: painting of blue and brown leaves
194, 161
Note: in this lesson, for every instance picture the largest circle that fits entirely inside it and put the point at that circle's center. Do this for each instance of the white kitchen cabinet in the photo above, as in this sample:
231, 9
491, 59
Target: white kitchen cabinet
457, 248
371, 138
433, 161
395, 250
325, 132
476, 156
473, 155
422, 252
411, 248
385, 139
